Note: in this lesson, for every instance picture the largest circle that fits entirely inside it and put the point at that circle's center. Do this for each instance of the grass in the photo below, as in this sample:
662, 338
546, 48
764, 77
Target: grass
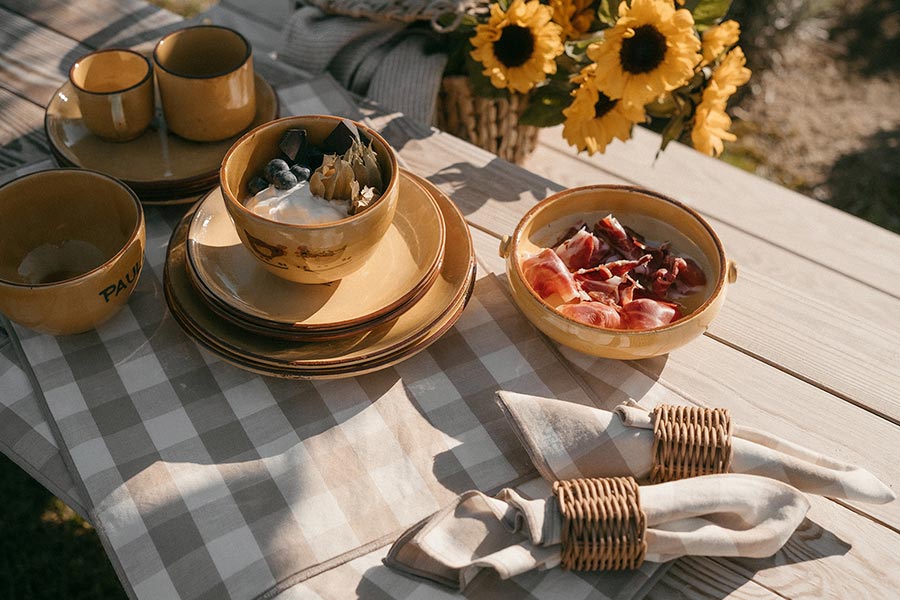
46, 549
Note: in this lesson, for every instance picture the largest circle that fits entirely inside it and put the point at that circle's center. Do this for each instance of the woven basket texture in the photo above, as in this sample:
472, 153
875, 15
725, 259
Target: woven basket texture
603, 524
490, 123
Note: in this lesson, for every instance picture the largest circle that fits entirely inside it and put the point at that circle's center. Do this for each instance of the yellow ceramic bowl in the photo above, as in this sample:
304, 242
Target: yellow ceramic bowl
305, 253
657, 218
71, 249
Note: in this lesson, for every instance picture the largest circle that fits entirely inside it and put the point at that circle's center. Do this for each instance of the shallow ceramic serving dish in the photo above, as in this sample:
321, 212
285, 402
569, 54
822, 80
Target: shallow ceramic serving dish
657, 218
238, 286
378, 347
71, 249
158, 165
319, 253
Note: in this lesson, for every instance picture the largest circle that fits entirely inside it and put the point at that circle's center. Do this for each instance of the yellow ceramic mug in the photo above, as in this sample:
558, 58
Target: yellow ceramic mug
115, 93
205, 78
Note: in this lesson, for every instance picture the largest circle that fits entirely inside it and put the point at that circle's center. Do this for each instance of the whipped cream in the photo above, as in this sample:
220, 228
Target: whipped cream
297, 205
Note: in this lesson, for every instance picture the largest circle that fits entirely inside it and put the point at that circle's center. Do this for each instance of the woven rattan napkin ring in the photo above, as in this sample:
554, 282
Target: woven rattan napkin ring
603, 524
689, 441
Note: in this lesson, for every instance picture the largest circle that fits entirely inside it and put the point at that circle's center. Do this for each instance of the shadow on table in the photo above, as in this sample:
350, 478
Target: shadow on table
472, 186
706, 577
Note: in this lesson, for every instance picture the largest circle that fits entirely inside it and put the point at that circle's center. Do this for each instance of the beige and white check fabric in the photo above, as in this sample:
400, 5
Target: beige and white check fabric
567, 442
205, 481
511, 534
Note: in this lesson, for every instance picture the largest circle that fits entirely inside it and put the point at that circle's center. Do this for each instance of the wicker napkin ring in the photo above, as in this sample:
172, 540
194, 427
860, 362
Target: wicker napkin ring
689, 441
603, 524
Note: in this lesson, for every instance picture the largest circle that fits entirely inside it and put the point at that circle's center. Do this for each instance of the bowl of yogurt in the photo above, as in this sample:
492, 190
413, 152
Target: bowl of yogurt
311, 196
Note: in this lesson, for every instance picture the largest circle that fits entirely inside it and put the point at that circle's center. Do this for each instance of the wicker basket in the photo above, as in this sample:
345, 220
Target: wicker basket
491, 123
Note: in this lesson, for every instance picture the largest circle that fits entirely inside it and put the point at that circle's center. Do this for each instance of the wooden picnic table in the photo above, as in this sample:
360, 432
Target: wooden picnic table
806, 346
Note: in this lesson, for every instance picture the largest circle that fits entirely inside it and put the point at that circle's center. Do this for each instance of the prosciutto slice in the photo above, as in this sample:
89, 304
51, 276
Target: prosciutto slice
547, 275
598, 314
612, 277
582, 250
647, 313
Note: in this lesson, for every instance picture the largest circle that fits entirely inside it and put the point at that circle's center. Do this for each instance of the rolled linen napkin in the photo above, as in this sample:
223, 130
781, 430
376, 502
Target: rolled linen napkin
712, 515
567, 441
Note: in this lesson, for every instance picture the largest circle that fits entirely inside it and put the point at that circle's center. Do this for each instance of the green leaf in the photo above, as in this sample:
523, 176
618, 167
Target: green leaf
608, 11
576, 49
481, 83
672, 131
707, 12
546, 103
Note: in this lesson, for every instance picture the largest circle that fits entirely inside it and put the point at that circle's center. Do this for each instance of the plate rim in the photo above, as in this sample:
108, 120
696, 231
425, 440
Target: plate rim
416, 291
303, 368
186, 187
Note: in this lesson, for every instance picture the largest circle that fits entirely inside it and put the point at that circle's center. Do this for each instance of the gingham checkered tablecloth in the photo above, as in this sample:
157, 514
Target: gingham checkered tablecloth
205, 481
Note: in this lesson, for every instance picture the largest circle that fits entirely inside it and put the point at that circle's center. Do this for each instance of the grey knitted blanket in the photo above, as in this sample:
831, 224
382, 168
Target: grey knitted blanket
381, 58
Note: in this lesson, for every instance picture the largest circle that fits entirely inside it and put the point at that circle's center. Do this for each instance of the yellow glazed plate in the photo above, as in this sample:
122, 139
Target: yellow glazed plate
159, 166
404, 266
413, 330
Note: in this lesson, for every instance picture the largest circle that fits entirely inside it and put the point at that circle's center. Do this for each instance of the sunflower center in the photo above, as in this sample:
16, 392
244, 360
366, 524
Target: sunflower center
644, 51
603, 105
515, 46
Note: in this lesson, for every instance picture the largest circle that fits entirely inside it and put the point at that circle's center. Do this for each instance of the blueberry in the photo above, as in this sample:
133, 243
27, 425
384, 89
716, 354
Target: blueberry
274, 166
284, 180
301, 173
256, 185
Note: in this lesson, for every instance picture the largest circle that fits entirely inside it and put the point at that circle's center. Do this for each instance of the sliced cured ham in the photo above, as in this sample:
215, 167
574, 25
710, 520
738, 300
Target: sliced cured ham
613, 277
598, 314
582, 250
647, 313
547, 275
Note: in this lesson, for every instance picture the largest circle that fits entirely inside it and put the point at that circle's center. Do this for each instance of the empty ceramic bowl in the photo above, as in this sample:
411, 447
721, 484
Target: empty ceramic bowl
71, 249
654, 216
318, 253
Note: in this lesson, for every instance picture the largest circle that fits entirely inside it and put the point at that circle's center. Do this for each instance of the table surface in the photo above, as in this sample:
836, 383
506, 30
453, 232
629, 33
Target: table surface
805, 347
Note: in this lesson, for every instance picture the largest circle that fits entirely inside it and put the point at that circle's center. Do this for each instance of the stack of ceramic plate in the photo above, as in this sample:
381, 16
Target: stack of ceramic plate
160, 167
408, 294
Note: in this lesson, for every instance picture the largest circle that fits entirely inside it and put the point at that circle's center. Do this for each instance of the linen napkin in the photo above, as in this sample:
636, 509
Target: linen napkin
712, 515
568, 441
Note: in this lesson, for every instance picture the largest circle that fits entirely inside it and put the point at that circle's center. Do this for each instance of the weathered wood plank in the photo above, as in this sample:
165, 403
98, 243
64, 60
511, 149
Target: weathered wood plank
22, 139
761, 208
35, 60
802, 303
99, 23
696, 577
783, 301
136, 23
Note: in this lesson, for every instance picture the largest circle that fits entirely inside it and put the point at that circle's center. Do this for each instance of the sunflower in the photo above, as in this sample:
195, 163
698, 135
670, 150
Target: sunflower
518, 47
711, 122
652, 49
574, 16
718, 39
594, 119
